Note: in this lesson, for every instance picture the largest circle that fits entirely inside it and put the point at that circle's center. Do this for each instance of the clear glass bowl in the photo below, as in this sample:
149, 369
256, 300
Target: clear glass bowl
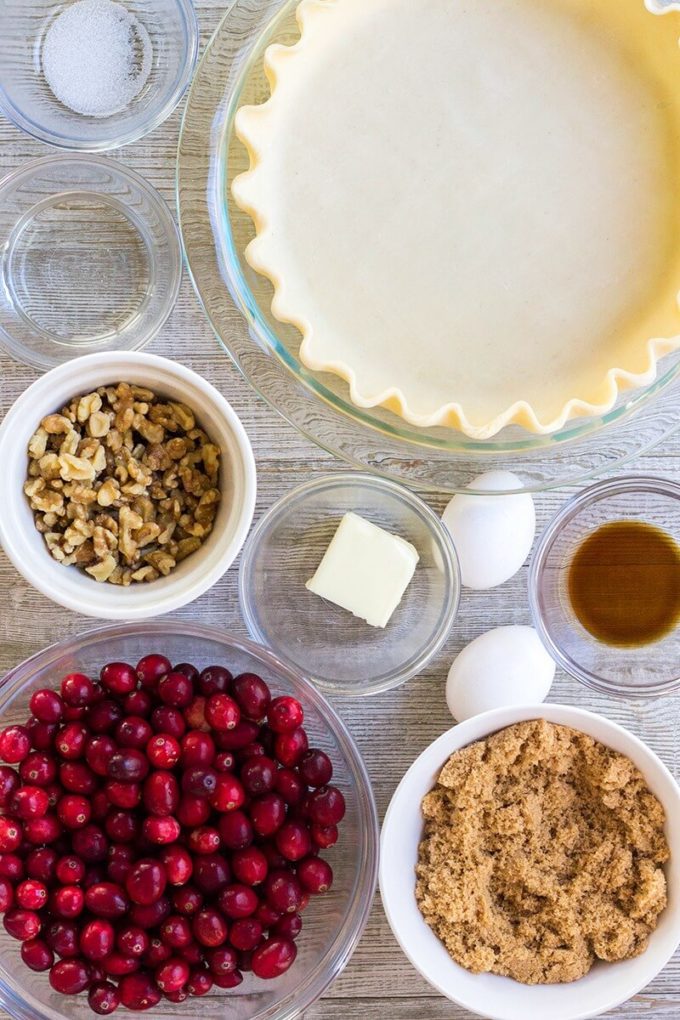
28, 101
333, 923
342, 654
237, 302
90, 260
643, 672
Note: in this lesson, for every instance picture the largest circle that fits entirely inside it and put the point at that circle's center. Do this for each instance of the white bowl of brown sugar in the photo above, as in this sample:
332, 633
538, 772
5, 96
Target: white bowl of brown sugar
530, 864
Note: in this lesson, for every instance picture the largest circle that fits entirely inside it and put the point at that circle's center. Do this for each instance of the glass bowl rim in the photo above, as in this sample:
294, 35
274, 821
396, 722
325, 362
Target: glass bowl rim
572, 508
139, 128
365, 882
439, 534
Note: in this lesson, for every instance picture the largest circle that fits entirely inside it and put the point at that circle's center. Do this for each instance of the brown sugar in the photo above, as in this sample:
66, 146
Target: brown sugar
542, 852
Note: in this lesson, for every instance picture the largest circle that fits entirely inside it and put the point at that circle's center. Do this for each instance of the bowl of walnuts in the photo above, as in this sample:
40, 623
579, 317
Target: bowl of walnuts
129, 491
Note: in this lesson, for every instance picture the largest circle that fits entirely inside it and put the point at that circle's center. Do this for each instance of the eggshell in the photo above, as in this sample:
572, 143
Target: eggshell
506, 666
493, 535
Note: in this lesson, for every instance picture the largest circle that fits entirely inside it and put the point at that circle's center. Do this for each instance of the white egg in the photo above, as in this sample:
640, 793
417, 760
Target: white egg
493, 535
506, 666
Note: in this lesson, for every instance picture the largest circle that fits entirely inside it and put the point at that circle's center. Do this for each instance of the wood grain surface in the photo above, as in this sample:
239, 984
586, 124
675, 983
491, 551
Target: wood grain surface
392, 729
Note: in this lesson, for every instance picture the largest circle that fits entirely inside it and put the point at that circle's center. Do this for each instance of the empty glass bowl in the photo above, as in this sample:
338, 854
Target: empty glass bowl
333, 923
29, 102
339, 652
90, 260
641, 671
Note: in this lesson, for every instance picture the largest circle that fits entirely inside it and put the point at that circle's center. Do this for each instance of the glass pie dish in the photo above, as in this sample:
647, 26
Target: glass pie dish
237, 302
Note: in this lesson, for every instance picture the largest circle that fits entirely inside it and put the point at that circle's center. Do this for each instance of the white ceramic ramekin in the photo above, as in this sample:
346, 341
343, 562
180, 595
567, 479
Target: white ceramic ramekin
71, 587
498, 998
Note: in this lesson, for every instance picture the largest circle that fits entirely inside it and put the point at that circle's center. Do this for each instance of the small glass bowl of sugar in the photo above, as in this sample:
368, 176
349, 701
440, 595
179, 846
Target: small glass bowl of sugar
94, 74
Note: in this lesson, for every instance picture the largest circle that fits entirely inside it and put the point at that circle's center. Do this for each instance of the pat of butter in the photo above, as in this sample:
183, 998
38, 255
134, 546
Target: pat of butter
366, 570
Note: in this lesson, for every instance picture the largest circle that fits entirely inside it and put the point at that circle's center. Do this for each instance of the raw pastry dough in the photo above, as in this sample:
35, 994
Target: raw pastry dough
470, 209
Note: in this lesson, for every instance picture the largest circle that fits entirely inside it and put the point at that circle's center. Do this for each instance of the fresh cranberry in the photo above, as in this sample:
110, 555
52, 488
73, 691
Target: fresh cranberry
70, 741
228, 794
178, 865
168, 720
222, 960
11, 835
222, 712
69, 976
161, 793
252, 695
246, 934
315, 874
293, 841
138, 703
163, 751
31, 894
161, 831
249, 865
73, 811
236, 830
156, 953
188, 669
37, 955
285, 714
12, 867
200, 982
288, 783
288, 927
41, 830
176, 931
9, 781
324, 836
103, 998
187, 900
146, 882
267, 814
104, 716
326, 806
22, 924
199, 781
204, 840
228, 980
283, 891
119, 678
224, 761
151, 668
67, 901
41, 734
151, 914
198, 749
54, 793
46, 706
15, 744
77, 690
30, 802
98, 752
41, 864
73, 714
214, 680
258, 775
132, 940
97, 939
139, 991
122, 826
62, 937
106, 899
238, 901
254, 750
290, 747
133, 731
193, 811
68, 869
128, 766
117, 964
175, 690
210, 928
77, 777
90, 843
238, 738
211, 873
121, 859
316, 768
273, 958
172, 975
194, 714
275, 861
6, 895
122, 794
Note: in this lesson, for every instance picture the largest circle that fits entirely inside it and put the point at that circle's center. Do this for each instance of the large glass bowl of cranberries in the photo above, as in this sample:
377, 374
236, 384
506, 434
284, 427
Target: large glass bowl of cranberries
186, 827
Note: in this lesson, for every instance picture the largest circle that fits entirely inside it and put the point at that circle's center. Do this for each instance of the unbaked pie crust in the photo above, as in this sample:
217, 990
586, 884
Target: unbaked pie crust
470, 209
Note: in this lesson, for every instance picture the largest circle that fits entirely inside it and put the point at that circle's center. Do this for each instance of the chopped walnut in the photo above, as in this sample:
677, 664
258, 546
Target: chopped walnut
123, 485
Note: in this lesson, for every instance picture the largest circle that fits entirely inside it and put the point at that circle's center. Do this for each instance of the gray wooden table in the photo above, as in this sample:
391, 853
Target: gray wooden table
392, 729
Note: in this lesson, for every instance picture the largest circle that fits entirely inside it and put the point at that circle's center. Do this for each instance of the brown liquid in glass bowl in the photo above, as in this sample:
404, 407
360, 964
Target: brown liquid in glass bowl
624, 584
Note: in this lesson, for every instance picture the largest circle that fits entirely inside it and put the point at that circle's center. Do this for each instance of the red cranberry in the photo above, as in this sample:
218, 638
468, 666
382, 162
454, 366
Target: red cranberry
62, 937
236, 830
257, 775
9, 781
188, 669
324, 836
254, 750
151, 668
146, 881
199, 781
139, 991
222, 960
151, 914
161, 793
37, 769
118, 964
132, 940
290, 786
128, 766
193, 811
228, 980
77, 690
41, 864
175, 690
22, 924
237, 901
12, 867
214, 680
156, 953
197, 749
71, 740
165, 719
68, 869
210, 928
326, 806
30, 802
228, 794
104, 716
77, 777
172, 975
293, 841
122, 826
6, 895
37, 955
90, 843
224, 761
138, 703
106, 899
73, 811
121, 857
194, 714
273, 958
176, 931
238, 738
249, 865
204, 840
41, 830
72, 714
46, 706
315, 875
122, 794
67, 901
290, 747
54, 793
211, 873
119, 678
161, 831
252, 695
316, 768
41, 734
246, 934
178, 865
275, 860
163, 751
222, 712
69, 976
15, 744
285, 714
98, 752
11, 835
284, 892
97, 939
31, 894
200, 982
103, 998
187, 900
133, 731
268, 814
